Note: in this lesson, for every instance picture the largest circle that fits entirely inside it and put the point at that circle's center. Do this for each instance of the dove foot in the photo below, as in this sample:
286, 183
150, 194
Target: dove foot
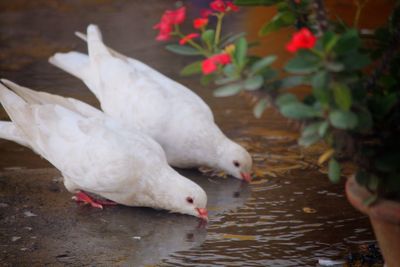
81, 196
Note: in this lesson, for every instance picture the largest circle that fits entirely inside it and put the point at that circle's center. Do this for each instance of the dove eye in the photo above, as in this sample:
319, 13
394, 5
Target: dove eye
236, 163
189, 200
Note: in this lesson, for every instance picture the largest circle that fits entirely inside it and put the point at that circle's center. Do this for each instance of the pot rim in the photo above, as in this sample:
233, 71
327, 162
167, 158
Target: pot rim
382, 209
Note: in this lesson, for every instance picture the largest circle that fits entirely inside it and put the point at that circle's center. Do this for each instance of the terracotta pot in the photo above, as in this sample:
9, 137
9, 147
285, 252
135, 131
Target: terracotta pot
385, 219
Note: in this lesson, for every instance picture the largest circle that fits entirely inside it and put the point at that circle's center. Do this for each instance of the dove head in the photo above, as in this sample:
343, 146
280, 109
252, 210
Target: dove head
235, 160
181, 195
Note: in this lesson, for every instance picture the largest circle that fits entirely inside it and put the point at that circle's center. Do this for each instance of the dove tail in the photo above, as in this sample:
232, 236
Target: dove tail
15, 106
36, 97
10, 132
95, 43
75, 63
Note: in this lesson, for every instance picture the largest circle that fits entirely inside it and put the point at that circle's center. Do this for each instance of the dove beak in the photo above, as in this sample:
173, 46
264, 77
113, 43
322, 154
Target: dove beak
203, 214
246, 176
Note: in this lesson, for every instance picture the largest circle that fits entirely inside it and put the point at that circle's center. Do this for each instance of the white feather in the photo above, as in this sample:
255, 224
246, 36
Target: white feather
140, 97
95, 154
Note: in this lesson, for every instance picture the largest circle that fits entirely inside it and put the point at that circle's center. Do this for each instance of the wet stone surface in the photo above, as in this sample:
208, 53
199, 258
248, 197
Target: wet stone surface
290, 215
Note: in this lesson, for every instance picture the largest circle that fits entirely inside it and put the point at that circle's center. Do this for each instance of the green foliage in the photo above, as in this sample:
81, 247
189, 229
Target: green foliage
208, 37
263, 63
280, 20
334, 171
228, 90
342, 96
253, 83
183, 50
259, 108
303, 63
345, 120
352, 105
240, 54
298, 110
191, 69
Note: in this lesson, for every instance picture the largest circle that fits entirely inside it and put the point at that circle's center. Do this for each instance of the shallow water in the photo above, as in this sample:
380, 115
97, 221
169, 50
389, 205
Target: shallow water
290, 215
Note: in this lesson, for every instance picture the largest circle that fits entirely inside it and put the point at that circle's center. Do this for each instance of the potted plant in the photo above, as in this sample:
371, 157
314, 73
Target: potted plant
353, 102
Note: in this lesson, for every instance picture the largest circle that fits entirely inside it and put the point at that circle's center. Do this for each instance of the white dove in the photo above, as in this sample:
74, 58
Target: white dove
138, 96
95, 154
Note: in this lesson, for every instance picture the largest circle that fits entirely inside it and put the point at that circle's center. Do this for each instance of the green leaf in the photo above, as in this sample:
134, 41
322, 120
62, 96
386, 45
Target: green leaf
228, 90
309, 140
182, 50
301, 65
208, 37
323, 128
347, 41
284, 99
298, 110
334, 66
343, 119
231, 39
322, 95
206, 79
230, 70
280, 20
334, 171
259, 108
342, 96
309, 135
291, 81
191, 69
320, 80
269, 74
262, 63
225, 80
253, 83
241, 51
329, 40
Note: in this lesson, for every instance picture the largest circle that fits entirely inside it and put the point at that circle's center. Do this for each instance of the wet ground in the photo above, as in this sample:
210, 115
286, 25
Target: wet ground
290, 215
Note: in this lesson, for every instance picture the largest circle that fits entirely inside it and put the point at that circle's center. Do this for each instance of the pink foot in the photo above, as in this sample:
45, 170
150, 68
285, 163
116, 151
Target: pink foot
81, 196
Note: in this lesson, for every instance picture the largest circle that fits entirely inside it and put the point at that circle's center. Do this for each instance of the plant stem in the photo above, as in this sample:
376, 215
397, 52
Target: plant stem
218, 29
191, 42
360, 4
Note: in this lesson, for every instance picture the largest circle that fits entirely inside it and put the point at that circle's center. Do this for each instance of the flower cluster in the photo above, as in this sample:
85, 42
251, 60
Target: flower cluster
223, 6
167, 22
215, 56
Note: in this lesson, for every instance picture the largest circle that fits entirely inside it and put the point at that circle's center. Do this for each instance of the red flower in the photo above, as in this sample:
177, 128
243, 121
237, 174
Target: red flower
200, 23
232, 6
175, 16
303, 39
188, 37
218, 5
165, 31
204, 13
223, 6
210, 64
222, 59
168, 19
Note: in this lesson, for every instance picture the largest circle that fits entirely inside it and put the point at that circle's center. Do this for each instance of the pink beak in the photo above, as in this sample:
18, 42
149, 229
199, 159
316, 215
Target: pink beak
203, 213
246, 176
